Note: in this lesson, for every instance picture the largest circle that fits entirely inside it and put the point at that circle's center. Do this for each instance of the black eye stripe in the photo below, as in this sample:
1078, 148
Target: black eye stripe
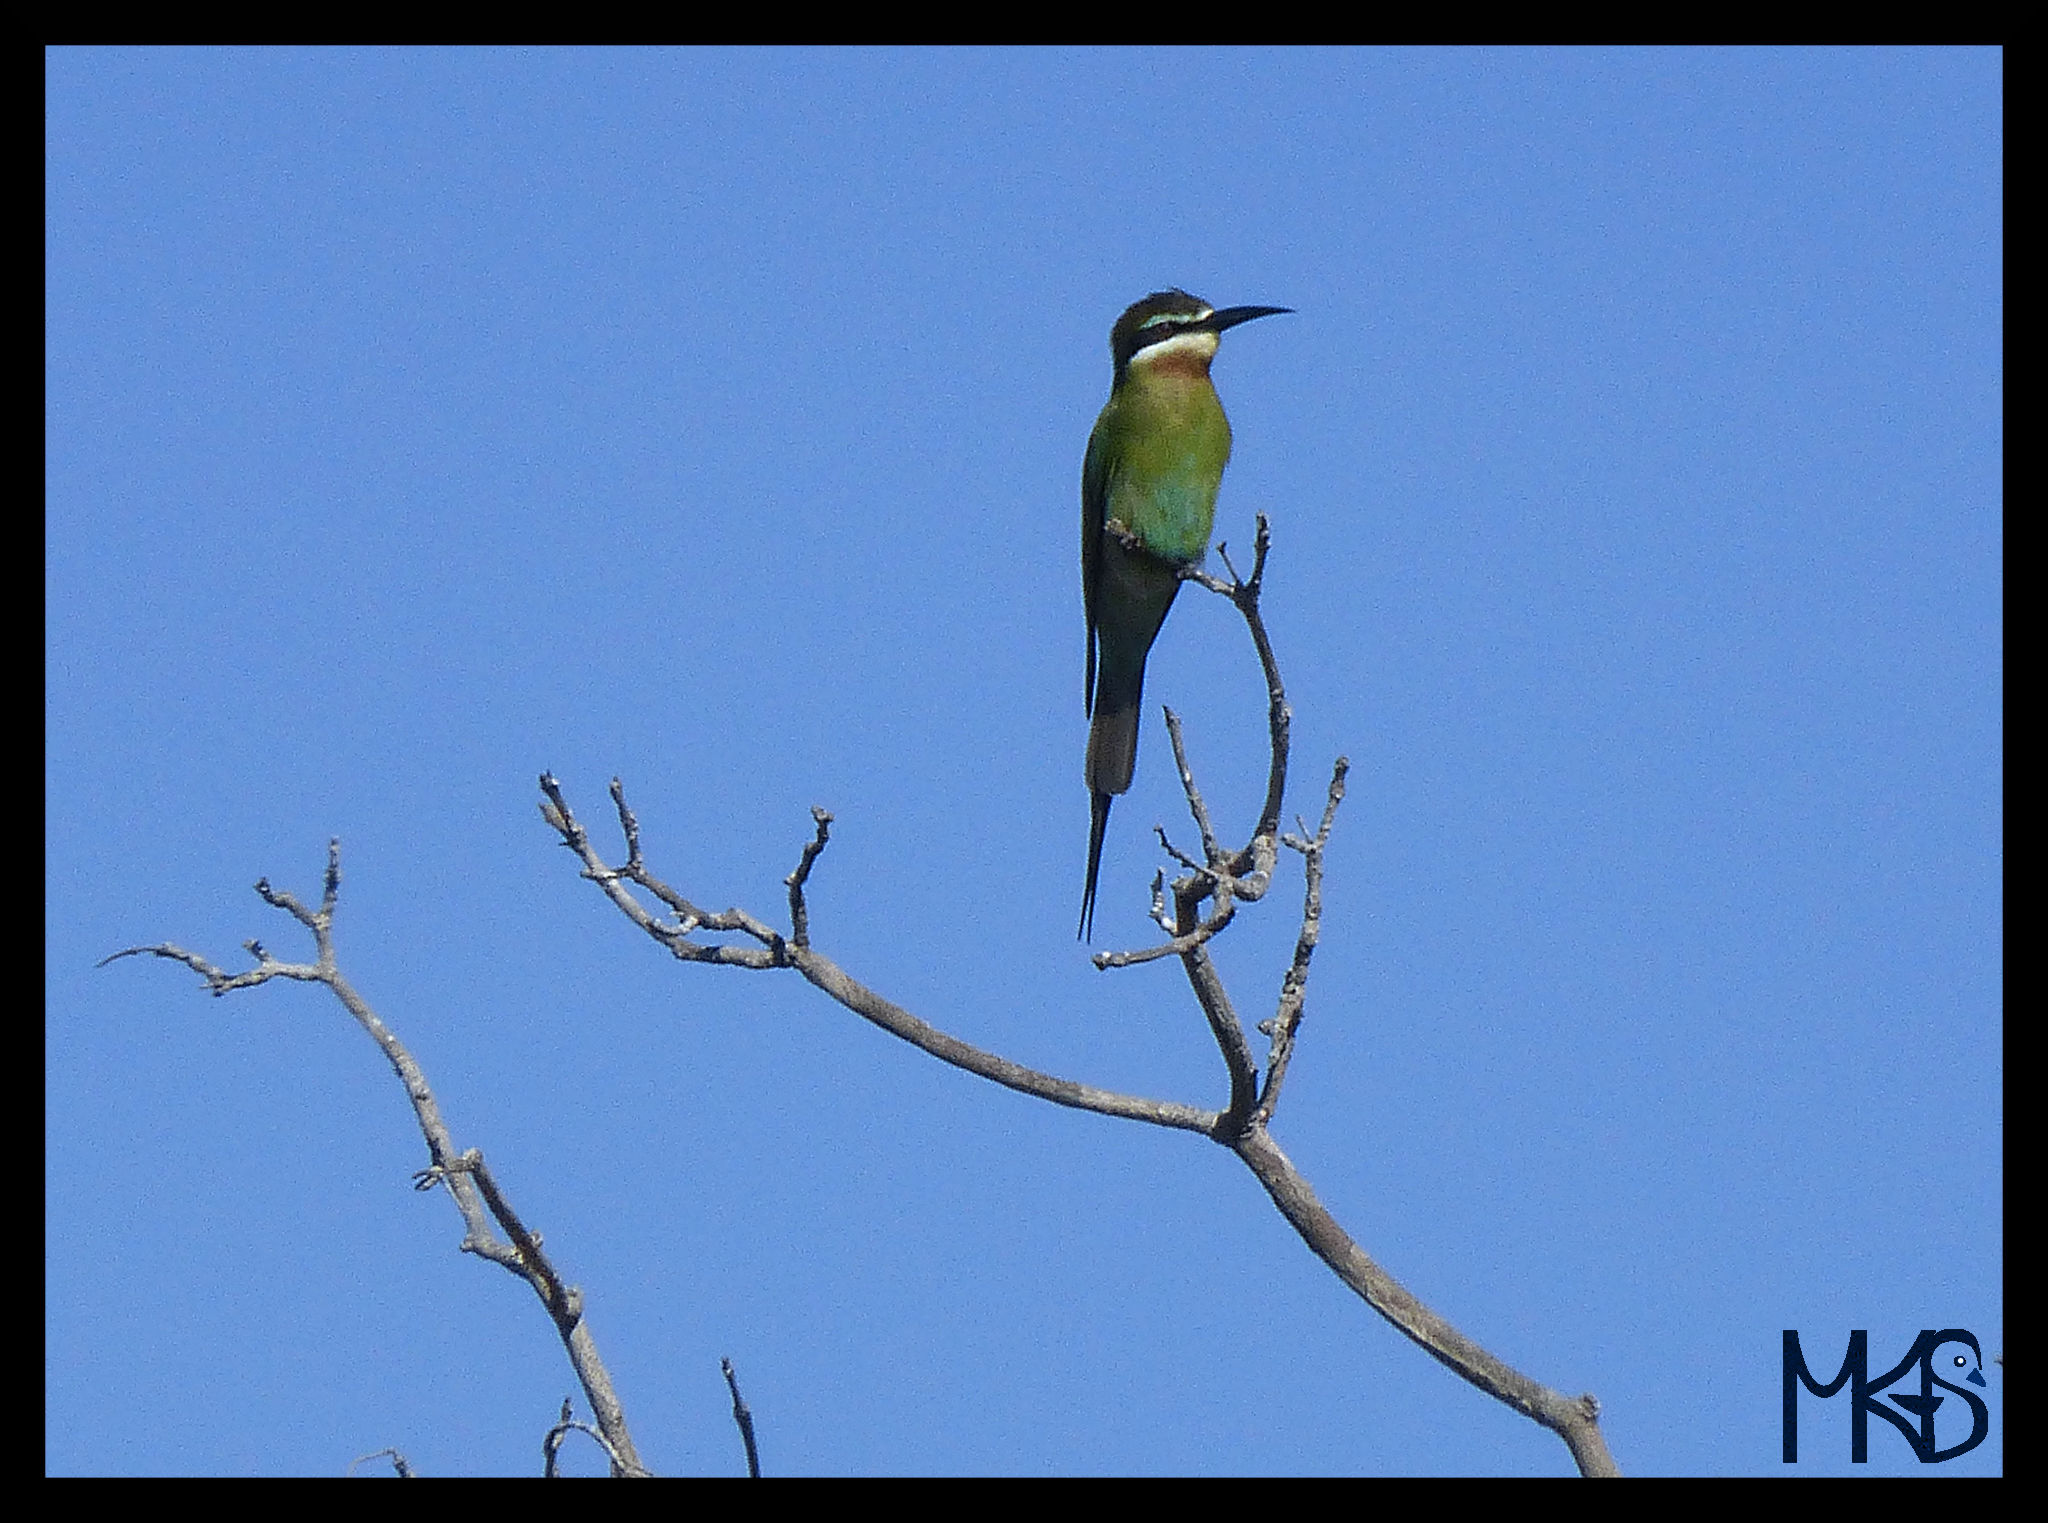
1159, 317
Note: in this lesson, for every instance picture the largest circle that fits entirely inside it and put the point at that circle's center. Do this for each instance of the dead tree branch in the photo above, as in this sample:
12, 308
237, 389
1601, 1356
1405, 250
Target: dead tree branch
772, 949
469, 1181
1222, 879
743, 1415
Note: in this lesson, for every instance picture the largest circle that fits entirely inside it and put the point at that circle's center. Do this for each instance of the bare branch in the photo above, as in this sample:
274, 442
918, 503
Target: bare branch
799, 914
1211, 852
866, 1003
1174, 851
1217, 1009
1574, 1419
627, 823
1223, 875
744, 1416
777, 951
1294, 986
218, 981
1179, 946
1224, 878
689, 918
1160, 917
399, 1463
551, 1446
1256, 860
469, 1182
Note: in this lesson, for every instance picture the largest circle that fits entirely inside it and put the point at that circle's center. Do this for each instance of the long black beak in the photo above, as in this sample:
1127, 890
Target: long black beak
1230, 317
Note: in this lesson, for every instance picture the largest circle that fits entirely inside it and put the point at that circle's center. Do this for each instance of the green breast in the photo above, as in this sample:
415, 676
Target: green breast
1171, 442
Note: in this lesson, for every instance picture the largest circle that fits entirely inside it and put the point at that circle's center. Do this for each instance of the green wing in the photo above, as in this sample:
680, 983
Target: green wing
1094, 512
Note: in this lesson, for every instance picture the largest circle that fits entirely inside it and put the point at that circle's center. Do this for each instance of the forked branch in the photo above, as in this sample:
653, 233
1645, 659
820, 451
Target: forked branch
469, 1181
1222, 879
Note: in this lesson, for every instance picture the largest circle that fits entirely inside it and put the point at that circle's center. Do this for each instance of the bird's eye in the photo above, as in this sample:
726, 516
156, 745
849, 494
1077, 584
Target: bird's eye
1961, 1361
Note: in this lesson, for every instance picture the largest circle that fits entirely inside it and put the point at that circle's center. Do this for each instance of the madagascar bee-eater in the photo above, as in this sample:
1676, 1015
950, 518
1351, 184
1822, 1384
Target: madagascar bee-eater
1148, 501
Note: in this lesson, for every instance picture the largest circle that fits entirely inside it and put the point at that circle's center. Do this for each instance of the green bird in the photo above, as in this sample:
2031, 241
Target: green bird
1148, 501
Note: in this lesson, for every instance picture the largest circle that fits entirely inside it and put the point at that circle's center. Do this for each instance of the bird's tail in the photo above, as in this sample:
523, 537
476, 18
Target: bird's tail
1112, 757
1095, 834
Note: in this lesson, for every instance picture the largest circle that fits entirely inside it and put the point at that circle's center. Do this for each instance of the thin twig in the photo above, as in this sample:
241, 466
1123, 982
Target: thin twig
777, 951
799, 913
1294, 986
551, 1445
470, 1184
744, 1416
1211, 852
399, 1463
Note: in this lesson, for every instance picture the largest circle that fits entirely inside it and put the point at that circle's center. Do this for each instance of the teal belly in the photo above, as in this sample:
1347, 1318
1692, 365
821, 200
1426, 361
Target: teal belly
1171, 519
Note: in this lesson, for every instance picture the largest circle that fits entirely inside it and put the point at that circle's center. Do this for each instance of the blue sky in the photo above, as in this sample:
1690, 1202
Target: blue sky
417, 421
